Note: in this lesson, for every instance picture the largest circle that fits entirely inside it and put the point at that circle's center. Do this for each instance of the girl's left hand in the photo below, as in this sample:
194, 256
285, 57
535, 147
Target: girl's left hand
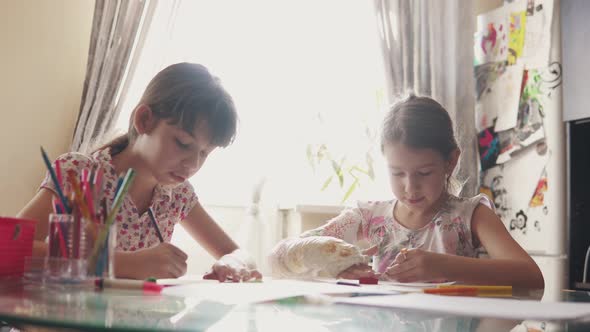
416, 265
232, 267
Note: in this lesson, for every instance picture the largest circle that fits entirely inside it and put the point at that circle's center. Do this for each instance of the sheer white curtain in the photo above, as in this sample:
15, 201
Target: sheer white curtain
286, 64
427, 49
116, 28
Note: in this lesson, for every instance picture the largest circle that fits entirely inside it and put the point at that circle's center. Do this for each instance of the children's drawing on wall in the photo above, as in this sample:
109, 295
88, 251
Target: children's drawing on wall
516, 36
491, 40
519, 222
500, 100
489, 148
513, 184
537, 86
537, 226
492, 182
529, 128
538, 198
539, 15
507, 146
485, 75
500, 196
530, 7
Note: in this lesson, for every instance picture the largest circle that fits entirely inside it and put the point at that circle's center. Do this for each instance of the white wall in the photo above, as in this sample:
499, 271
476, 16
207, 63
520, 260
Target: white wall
44, 48
482, 6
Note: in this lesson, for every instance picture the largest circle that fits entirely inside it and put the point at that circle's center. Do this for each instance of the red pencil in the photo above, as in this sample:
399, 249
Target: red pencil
58, 171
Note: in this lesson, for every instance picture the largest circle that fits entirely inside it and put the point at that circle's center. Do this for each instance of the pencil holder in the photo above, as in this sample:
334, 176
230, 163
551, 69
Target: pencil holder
65, 262
16, 243
60, 235
101, 242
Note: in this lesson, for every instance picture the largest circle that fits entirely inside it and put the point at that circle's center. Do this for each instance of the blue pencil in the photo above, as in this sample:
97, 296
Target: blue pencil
155, 224
55, 182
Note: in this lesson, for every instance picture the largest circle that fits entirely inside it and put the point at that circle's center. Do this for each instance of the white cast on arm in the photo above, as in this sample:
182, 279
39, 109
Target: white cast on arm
313, 256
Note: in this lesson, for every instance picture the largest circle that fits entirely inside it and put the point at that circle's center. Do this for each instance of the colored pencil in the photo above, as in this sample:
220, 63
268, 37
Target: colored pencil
55, 180
483, 290
58, 172
155, 224
111, 216
471, 290
79, 197
463, 291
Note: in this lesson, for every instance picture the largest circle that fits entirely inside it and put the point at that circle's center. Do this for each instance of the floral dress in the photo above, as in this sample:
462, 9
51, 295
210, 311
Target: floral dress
171, 204
448, 232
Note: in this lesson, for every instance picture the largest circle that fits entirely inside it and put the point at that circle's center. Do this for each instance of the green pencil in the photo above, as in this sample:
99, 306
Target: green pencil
111, 216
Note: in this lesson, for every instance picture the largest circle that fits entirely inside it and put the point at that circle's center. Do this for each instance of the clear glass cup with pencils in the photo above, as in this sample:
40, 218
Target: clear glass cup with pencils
64, 242
83, 227
60, 237
101, 242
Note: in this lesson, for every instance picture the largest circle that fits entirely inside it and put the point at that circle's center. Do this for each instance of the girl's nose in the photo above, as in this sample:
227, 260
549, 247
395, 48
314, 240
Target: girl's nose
412, 185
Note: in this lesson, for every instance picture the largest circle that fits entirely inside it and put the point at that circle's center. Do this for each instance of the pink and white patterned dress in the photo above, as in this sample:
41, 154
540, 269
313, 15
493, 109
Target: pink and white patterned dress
134, 231
449, 231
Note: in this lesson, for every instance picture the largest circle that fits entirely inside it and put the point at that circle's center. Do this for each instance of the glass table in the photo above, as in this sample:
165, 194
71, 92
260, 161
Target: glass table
32, 307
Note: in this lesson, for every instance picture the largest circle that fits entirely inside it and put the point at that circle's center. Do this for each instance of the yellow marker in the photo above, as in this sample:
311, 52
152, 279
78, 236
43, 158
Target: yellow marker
496, 291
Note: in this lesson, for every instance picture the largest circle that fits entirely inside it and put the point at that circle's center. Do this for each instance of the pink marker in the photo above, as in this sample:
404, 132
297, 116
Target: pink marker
129, 284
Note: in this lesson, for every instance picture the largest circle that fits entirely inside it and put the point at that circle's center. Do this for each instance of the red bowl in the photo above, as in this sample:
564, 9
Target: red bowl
16, 243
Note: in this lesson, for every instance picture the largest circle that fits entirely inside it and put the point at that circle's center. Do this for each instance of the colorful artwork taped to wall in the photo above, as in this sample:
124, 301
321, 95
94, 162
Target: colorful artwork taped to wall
491, 38
537, 44
539, 195
516, 36
489, 148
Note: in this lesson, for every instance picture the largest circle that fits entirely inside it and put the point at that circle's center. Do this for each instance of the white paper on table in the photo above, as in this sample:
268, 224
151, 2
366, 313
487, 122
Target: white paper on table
405, 287
417, 284
393, 286
185, 280
478, 307
537, 38
267, 290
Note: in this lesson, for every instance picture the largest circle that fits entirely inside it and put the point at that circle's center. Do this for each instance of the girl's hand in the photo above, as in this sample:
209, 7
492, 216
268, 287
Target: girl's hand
416, 265
161, 261
233, 267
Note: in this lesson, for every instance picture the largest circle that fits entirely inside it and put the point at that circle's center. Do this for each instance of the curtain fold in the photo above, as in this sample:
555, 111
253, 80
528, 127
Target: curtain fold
115, 28
427, 50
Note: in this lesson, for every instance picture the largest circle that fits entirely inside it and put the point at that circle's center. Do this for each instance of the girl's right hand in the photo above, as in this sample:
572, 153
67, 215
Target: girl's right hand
162, 261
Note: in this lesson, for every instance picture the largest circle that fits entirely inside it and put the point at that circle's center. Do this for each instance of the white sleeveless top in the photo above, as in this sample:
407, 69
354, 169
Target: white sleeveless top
449, 232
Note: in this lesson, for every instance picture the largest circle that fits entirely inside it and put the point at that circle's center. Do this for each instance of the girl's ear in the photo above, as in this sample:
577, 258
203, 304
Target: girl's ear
144, 120
452, 161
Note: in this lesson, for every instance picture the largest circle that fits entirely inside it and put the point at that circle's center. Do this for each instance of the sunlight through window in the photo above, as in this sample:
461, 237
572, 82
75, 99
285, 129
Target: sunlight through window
302, 74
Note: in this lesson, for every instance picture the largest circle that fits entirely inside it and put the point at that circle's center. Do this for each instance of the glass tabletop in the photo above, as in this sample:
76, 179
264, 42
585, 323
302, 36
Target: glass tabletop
23, 305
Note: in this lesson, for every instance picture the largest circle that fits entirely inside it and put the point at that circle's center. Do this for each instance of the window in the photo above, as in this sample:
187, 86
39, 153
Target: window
287, 64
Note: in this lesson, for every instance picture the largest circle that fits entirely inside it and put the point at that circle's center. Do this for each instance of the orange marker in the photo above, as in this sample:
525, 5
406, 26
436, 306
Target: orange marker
458, 291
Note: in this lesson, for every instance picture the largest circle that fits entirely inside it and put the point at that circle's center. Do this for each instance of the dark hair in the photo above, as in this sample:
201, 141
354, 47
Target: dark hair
185, 93
419, 122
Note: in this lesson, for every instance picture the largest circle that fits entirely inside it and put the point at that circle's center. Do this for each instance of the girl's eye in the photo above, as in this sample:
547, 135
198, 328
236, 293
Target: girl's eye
398, 174
424, 173
181, 145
